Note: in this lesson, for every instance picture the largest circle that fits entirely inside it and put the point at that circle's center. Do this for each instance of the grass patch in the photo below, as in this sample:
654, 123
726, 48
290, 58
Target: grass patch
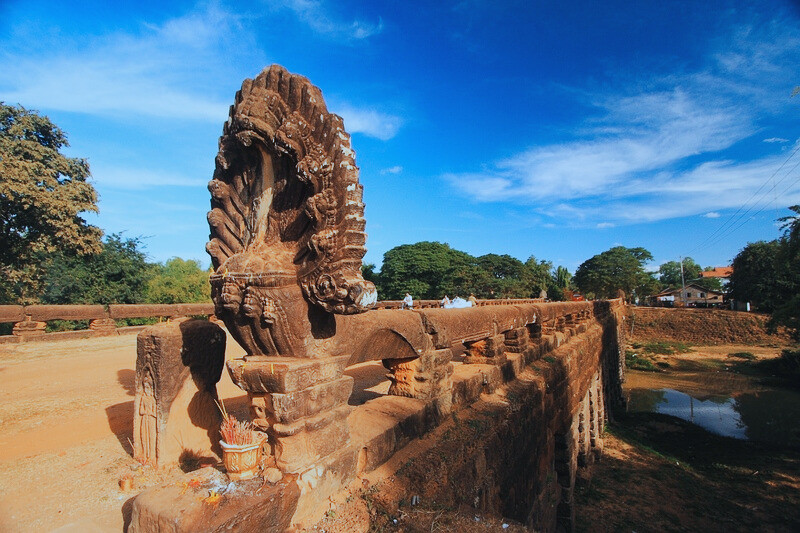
663, 347
549, 358
636, 361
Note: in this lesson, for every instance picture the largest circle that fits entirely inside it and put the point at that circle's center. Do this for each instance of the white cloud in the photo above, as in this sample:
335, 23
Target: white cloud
370, 122
656, 154
397, 169
317, 16
153, 72
603, 225
776, 140
712, 214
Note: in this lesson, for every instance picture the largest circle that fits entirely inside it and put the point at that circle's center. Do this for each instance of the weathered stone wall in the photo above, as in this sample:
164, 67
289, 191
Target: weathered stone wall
701, 326
516, 452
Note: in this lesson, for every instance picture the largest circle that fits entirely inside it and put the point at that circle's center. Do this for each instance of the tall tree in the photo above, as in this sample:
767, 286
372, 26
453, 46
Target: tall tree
670, 272
428, 270
541, 277
42, 196
787, 308
757, 272
507, 276
618, 268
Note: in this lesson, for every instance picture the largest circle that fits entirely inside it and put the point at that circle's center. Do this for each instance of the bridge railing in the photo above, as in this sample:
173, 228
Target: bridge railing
30, 321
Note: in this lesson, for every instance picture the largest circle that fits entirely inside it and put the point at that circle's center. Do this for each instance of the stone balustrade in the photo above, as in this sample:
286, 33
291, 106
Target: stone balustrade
30, 321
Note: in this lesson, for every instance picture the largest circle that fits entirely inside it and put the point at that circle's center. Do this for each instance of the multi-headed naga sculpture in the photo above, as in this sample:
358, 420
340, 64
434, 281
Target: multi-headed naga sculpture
287, 220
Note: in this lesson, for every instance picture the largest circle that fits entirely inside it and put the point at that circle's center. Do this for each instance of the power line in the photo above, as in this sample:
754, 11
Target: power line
733, 219
764, 206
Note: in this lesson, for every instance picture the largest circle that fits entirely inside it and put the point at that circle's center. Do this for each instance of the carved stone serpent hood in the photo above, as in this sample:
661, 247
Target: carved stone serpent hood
286, 212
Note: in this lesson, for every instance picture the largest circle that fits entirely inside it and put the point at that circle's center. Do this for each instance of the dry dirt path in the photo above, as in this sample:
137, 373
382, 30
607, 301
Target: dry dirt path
66, 414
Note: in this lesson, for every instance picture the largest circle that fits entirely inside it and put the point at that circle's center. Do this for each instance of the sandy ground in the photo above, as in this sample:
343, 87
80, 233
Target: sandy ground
66, 417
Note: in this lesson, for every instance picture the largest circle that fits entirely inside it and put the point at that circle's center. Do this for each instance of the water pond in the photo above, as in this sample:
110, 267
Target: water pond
739, 408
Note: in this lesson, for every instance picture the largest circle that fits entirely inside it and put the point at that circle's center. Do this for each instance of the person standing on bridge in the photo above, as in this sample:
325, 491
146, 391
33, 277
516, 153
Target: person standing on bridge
472, 300
445, 301
408, 302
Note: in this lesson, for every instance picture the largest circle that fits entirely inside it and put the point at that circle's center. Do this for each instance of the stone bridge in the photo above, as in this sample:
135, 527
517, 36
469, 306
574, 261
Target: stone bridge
549, 372
287, 239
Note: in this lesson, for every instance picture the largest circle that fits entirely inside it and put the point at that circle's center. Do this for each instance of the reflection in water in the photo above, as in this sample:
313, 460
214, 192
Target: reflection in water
766, 415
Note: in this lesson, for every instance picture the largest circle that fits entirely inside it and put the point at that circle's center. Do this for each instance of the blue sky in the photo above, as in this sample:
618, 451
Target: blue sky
553, 129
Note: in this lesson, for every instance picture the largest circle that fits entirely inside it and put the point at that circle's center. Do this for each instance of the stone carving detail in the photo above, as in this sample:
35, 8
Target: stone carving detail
286, 213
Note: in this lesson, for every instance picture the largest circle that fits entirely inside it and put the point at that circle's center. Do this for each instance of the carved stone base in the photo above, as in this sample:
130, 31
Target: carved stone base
488, 351
29, 328
426, 377
103, 326
300, 402
517, 340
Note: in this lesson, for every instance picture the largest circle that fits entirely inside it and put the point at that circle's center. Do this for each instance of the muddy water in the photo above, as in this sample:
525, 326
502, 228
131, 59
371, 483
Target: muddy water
724, 403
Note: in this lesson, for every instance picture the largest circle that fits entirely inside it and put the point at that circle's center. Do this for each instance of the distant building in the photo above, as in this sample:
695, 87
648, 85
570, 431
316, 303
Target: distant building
724, 273
696, 296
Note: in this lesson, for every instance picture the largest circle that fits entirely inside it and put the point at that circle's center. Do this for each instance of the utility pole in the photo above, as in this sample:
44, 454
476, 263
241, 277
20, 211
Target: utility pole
683, 286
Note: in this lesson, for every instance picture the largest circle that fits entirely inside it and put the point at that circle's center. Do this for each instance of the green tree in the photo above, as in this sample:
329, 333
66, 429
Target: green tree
117, 274
787, 308
757, 275
42, 196
669, 273
541, 278
178, 281
429, 270
619, 268
562, 277
369, 274
506, 276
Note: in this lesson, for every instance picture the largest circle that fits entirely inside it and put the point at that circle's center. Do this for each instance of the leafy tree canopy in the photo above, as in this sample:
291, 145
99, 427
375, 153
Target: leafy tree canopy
42, 196
670, 272
787, 307
505, 277
178, 281
755, 273
117, 274
619, 268
427, 270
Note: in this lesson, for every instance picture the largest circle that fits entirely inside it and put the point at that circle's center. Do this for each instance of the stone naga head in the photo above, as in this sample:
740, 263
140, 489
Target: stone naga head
287, 220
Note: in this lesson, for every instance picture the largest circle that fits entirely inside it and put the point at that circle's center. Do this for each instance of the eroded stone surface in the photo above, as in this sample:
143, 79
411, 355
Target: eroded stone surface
178, 365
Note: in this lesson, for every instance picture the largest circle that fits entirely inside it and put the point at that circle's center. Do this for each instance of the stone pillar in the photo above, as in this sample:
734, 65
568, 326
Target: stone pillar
29, 328
300, 402
178, 365
517, 340
566, 465
488, 351
585, 456
427, 377
103, 326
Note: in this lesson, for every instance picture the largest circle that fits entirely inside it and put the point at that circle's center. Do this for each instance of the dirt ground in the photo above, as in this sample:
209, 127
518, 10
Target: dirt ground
66, 420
